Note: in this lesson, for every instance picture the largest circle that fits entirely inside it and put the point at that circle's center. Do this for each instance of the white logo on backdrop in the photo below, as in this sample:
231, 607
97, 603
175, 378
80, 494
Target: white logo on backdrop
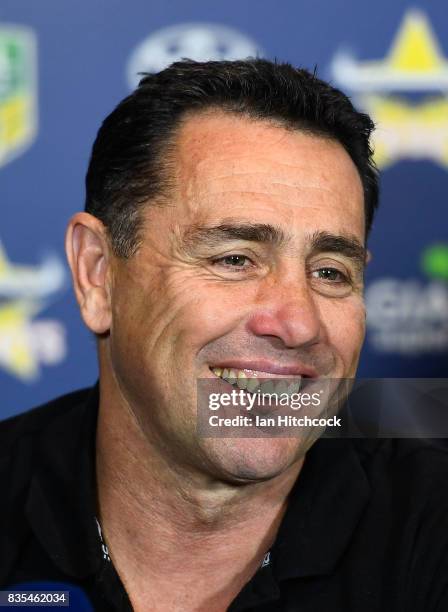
197, 41
407, 317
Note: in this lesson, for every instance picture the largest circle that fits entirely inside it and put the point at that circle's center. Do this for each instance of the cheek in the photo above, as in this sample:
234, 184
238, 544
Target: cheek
204, 313
344, 322
169, 319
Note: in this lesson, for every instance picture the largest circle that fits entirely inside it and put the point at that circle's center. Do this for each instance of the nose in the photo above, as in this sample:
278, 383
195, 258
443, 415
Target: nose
287, 310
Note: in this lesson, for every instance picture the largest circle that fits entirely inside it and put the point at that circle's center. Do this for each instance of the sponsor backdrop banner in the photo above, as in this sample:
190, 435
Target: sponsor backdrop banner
65, 65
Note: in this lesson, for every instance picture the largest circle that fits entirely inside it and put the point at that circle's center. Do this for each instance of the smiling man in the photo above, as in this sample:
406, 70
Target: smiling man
224, 239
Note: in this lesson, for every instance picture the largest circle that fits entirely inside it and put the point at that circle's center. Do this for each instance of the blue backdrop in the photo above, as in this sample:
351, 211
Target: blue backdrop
65, 65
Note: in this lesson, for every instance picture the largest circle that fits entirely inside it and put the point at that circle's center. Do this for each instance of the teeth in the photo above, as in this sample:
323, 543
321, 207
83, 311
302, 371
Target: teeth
267, 387
294, 387
252, 384
281, 387
242, 381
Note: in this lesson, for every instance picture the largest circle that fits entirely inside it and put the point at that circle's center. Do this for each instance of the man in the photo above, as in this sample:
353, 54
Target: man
228, 205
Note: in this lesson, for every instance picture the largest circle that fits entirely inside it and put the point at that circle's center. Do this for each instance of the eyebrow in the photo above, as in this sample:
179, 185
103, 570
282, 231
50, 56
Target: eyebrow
346, 245
320, 241
214, 235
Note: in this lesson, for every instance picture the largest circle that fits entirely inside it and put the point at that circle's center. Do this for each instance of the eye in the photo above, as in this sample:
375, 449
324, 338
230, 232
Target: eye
233, 261
332, 275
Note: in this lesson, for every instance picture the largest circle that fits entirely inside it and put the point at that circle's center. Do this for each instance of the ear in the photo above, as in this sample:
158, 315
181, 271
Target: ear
88, 254
368, 257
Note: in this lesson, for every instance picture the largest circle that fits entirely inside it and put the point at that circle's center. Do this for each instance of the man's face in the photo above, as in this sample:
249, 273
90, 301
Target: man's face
252, 266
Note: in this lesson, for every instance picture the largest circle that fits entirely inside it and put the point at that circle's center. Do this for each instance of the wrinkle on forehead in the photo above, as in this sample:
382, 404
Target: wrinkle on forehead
227, 160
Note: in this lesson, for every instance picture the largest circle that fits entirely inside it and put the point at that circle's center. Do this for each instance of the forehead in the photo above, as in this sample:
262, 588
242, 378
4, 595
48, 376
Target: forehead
228, 165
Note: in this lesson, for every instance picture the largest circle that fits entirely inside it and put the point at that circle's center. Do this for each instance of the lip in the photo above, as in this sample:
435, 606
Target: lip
267, 367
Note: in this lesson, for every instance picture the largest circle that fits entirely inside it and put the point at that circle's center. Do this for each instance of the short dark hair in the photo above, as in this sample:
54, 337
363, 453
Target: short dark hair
129, 163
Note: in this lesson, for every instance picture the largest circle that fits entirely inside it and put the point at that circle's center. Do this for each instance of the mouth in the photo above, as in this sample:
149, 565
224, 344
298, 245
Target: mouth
259, 381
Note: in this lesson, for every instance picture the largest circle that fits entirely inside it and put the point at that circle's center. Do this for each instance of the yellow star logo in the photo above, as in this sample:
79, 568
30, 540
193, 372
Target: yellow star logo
415, 50
415, 63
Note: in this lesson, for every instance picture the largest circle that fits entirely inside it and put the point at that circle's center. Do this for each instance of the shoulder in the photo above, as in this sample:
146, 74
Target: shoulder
408, 481
416, 496
35, 465
34, 422
416, 462
405, 520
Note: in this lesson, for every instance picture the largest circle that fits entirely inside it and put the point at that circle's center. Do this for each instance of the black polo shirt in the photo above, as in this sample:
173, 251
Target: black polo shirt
366, 528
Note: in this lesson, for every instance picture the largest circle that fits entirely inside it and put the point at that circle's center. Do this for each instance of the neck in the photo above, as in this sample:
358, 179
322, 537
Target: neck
156, 514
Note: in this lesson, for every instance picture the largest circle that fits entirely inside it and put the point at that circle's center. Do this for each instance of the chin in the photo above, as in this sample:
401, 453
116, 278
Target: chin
245, 460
